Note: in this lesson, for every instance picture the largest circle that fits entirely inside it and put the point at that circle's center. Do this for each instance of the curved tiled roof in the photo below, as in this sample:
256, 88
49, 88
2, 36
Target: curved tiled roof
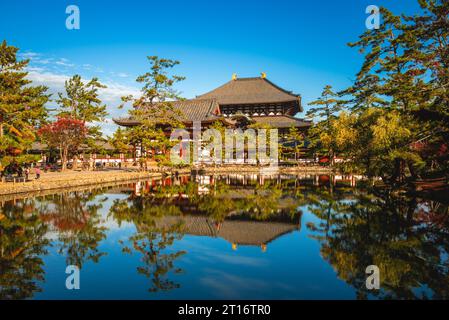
197, 109
250, 91
191, 110
126, 121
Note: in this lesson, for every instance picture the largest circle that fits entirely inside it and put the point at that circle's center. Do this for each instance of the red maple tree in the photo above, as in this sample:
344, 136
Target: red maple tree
66, 134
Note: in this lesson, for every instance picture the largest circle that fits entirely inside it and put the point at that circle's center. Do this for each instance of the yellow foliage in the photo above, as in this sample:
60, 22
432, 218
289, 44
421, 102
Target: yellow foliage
343, 130
389, 130
15, 131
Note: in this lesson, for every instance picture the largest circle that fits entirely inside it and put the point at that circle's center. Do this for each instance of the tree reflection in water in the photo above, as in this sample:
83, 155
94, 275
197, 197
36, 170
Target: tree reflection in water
22, 245
408, 240
76, 219
152, 239
24, 229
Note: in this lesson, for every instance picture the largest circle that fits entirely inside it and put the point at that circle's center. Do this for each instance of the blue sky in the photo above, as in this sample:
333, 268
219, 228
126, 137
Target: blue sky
301, 45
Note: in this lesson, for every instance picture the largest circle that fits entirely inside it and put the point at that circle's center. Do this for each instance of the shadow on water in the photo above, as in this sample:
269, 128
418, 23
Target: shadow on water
407, 238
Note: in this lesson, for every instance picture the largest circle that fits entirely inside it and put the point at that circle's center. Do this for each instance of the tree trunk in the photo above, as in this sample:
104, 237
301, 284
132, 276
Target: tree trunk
64, 152
331, 157
398, 171
75, 162
412, 170
61, 156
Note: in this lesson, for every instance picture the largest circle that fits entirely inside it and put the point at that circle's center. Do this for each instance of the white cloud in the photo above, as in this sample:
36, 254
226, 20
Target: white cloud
29, 55
119, 74
51, 80
111, 95
65, 63
53, 72
35, 69
42, 61
115, 91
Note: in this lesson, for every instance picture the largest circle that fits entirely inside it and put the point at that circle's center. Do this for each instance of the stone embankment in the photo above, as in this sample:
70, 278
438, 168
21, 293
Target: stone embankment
69, 179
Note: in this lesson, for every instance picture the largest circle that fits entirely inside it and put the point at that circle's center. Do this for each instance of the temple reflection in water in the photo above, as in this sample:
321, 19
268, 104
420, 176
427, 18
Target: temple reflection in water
237, 227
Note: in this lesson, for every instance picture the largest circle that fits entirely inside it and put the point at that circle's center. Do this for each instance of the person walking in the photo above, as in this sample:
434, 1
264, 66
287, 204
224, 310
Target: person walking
27, 173
38, 172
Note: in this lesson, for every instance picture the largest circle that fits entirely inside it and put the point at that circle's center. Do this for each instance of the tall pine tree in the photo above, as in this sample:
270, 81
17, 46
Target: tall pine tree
22, 106
81, 101
325, 110
154, 108
406, 69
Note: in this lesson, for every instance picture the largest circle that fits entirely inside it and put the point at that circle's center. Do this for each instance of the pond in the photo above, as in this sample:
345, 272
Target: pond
225, 237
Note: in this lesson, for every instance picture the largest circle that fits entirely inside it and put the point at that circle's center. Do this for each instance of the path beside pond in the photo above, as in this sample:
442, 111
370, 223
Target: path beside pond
68, 179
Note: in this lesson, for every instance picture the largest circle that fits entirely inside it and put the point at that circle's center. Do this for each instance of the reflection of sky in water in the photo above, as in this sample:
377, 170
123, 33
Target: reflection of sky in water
290, 268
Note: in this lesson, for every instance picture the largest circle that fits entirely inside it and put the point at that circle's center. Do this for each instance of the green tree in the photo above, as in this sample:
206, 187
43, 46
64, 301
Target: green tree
120, 141
154, 108
325, 112
296, 139
81, 101
22, 106
405, 72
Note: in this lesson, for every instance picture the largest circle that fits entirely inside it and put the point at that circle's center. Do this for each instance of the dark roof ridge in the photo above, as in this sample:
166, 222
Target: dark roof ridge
282, 89
247, 78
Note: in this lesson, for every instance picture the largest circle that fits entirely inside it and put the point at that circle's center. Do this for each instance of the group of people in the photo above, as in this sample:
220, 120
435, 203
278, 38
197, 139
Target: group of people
23, 170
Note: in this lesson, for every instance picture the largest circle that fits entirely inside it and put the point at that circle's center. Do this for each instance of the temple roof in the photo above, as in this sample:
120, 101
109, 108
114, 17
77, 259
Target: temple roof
191, 110
243, 91
251, 91
282, 121
198, 109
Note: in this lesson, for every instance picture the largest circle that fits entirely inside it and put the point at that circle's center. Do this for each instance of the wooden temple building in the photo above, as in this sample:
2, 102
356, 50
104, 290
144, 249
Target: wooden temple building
257, 100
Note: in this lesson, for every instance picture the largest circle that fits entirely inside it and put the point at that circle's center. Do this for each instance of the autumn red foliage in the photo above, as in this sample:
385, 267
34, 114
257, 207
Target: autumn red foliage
65, 134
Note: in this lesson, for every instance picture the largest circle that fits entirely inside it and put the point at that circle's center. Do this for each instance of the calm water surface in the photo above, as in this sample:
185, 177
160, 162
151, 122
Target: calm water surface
220, 237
